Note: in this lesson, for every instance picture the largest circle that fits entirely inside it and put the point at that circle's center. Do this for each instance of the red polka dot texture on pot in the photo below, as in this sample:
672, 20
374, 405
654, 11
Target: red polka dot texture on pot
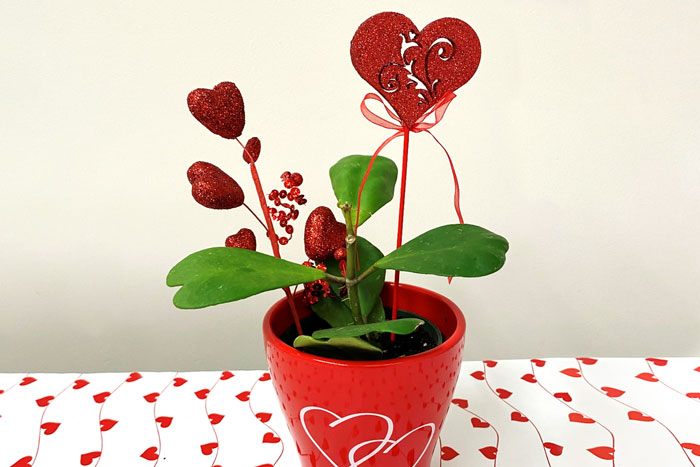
286, 201
220, 109
213, 188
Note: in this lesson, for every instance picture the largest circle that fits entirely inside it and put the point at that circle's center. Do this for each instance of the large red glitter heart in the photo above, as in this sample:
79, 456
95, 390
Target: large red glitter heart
323, 234
414, 69
219, 109
213, 188
245, 238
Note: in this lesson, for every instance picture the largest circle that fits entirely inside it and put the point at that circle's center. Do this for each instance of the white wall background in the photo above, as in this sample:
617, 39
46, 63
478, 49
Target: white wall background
577, 139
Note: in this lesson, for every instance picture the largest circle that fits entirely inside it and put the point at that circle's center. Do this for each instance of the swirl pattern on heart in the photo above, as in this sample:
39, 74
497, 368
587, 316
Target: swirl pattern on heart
414, 69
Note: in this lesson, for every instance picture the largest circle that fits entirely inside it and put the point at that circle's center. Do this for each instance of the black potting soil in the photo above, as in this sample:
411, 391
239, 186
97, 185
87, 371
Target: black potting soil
424, 338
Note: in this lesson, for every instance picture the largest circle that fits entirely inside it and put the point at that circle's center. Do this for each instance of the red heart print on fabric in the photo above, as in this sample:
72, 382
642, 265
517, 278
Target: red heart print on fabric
538, 362
135, 376
576, 417
518, 417
490, 363
692, 447
603, 452
587, 361
150, 454
479, 423
264, 417
244, 396
657, 361
80, 383
226, 374
612, 392
639, 416
478, 375
461, 403
152, 397
202, 394
27, 380
573, 372
215, 418
164, 422
503, 393
529, 377
101, 397
177, 382
220, 109
413, 69
697, 369
270, 437
565, 396
107, 424
23, 462
489, 452
647, 377
88, 457
208, 448
50, 427
447, 453
44, 401
266, 376
554, 448
693, 395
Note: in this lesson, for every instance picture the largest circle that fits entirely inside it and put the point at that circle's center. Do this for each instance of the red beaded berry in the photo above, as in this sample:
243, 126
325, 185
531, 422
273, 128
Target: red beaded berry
286, 210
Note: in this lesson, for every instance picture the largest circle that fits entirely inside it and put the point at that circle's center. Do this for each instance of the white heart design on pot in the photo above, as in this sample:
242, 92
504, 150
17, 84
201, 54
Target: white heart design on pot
392, 444
382, 443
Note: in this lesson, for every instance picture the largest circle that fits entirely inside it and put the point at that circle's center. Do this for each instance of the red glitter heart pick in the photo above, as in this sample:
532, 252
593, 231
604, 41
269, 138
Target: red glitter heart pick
413, 69
252, 150
323, 234
213, 188
245, 238
219, 109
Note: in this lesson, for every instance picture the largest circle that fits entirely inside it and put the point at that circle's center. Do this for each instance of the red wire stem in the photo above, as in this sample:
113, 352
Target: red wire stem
272, 235
399, 231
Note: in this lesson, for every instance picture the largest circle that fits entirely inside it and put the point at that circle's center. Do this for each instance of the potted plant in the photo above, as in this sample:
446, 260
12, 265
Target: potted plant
364, 369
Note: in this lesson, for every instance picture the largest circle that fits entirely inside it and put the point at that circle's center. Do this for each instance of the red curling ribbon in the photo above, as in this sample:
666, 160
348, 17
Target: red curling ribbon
421, 125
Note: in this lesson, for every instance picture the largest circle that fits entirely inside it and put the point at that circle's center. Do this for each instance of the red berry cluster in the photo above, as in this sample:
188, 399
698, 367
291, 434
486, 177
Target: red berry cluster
340, 255
285, 211
313, 291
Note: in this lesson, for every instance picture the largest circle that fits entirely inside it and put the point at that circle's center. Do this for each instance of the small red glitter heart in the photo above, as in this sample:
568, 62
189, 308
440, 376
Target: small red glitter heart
244, 238
220, 109
414, 69
213, 188
323, 234
252, 150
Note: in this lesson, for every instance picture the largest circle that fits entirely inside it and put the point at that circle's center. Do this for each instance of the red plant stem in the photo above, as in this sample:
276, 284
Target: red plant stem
399, 232
255, 215
272, 235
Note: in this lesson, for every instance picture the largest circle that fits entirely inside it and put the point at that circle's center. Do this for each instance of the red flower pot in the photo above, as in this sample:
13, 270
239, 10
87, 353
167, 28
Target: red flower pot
385, 413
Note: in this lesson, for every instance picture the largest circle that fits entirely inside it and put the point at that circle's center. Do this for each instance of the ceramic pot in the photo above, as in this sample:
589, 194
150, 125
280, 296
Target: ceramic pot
385, 413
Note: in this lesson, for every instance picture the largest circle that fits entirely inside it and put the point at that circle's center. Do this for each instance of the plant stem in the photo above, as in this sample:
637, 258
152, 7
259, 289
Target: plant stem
272, 235
351, 266
336, 279
255, 215
366, 273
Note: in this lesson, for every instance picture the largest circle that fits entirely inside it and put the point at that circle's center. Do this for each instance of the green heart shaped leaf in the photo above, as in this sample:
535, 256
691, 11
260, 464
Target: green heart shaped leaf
459, 250
220, 274
333, 311
398, 326
346, 178
346, 348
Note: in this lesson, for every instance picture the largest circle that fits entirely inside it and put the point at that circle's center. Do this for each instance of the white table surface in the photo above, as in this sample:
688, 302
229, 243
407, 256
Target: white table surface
549, 412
